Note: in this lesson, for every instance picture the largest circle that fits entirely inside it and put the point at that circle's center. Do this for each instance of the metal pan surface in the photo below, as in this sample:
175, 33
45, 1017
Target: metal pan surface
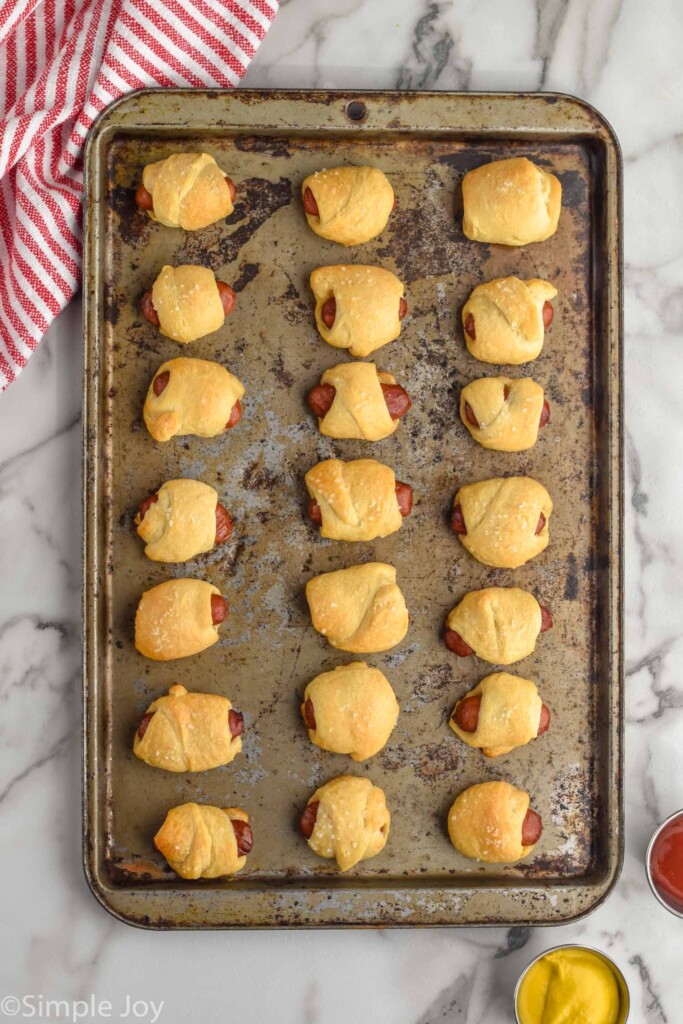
268, 142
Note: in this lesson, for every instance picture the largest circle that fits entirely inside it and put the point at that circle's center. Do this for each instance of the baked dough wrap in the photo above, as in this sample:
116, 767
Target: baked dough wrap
508, 412
357, 499
485, 823
188, 191
367, 306
198, 840
181, 523
359, 410
355, 710
508, 319
509, 714
188, 732
198, 399
174, 620
510, 202
354, 203
500, 624
360, 609
502, 516
187, 302
352, 823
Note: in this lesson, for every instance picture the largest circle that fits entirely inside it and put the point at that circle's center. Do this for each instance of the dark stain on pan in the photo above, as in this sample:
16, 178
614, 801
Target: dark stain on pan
232, 554
132, 222
262, 144
248, 272
571, 813
257, 475
282, 375
422, 245
553, 391
295, 310
464, 160
571, 586
433, 684
111, 305
430, 761
308, 561
573, 190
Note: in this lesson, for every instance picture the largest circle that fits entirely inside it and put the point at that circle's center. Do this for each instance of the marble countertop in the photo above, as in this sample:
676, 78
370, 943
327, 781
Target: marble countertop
55, 941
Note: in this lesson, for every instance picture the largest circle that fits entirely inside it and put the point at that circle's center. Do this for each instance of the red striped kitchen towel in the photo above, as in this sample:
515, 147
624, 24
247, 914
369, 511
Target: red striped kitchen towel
62, 62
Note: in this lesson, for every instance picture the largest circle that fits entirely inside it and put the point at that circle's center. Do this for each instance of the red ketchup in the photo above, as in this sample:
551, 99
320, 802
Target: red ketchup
666, 863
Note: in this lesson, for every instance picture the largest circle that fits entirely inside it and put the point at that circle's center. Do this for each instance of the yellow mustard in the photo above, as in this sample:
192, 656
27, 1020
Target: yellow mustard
569, 986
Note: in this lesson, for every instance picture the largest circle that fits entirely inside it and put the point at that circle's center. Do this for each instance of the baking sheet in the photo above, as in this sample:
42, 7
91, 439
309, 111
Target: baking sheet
268, 142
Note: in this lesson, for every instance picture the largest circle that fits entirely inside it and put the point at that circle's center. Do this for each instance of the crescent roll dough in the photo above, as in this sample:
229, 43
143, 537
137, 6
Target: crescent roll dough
357, 499
509, 714
502, 517
508, 412
508, 319
198, 399
511, 202
188, 732
360, 609
181, 523
354, 708
354, 203
188, 190
174, 620
500, 624
187, 302
359, 409
485, 823
367, 306
198, 840
352, 823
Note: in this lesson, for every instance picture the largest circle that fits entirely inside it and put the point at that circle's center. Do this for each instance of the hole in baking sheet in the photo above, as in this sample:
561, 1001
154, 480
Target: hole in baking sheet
356, 111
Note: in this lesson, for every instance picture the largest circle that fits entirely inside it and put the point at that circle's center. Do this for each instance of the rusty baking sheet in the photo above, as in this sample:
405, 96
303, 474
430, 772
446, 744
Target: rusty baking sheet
268, 142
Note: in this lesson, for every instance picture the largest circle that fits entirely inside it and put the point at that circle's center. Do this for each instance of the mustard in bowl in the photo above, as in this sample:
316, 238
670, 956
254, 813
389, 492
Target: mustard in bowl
574, 984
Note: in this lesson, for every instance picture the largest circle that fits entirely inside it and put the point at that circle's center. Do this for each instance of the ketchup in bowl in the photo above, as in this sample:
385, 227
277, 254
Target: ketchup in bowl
665, 863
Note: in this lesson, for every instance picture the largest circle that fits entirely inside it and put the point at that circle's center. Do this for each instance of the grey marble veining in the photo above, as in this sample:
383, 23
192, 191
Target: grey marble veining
624, 57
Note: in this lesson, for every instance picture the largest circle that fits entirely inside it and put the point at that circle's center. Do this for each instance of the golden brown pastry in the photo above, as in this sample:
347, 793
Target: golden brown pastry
504, 414
178, 618
200, 841
499, 624
187, 303
502, 712
356, 400
503, 522
510, 202
347, 819
358, 308
505, 320
493, 822
360, 609
186, 190
183, 519
358, 500
351, 710
189, 732
349, 205
192, 396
